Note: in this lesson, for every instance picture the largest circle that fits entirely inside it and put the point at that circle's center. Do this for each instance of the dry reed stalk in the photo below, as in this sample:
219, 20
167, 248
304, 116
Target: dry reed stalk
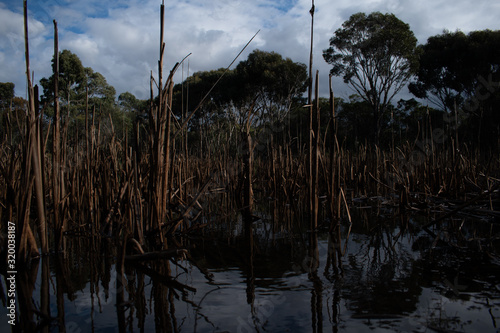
27, 245
333, 151
315, 153
248, 169
168, 147
310, 106
32, 152
39, 178
157, 141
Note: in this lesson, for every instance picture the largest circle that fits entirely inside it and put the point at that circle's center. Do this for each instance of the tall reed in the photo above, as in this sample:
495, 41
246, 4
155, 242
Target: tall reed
146, 188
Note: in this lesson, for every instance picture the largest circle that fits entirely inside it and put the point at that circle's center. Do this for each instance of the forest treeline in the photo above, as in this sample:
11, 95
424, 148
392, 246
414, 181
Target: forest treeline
102, 164
457, 73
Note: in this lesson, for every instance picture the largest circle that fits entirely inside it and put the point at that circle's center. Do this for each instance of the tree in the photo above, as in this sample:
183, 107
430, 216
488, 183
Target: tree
269, 83
12, 112
441, 74
259, 90
196, 87
129, 103
100, 93
71, 75
462, 72
417, 122
6, 93
355, 121
376, 55
452, 64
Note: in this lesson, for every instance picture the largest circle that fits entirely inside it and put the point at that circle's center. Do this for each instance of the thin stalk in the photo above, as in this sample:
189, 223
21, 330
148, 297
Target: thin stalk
310, 105
316, 153
333, 152
32, 164
56, 154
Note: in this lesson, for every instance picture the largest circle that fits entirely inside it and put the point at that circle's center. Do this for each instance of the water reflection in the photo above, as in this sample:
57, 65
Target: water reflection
380, 274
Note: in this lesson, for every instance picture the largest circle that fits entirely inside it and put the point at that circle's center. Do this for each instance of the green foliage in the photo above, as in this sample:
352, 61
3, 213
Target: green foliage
264, 80
442, 72
269, 76
12, 115
259, 90
83, 90
355, 121
268, 83
376, 55
411, 117
452, 64
71, 75
75, 81
100, 93
6, 93
129, 103
462, 72
187, 96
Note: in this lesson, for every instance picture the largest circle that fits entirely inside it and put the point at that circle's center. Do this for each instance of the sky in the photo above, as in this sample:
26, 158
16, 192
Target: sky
120, 38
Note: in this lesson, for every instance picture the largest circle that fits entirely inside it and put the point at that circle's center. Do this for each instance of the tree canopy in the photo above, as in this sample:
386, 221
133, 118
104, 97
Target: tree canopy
452, 64
265, 82
270, 83
75, 79
461, 73
6, 93
71, 74
376, 55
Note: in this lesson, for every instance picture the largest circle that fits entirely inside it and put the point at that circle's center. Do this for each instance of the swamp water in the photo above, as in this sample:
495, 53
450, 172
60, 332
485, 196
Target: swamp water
392, 277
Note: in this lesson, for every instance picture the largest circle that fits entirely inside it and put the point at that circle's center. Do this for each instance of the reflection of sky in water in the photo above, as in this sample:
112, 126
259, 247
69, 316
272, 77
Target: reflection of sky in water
381, 276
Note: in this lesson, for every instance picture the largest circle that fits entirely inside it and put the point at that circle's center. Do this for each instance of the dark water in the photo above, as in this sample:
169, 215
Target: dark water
392, 276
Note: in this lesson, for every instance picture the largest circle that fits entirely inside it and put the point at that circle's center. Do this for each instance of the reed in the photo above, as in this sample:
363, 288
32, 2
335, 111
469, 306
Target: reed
310, 155
32, 168
155, 187
56, 152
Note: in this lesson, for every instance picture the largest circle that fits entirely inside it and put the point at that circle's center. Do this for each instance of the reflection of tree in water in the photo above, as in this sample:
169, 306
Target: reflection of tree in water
380, 277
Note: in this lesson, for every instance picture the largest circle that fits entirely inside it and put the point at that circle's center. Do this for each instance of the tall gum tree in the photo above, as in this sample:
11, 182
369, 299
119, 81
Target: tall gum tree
376, 55
460, 74
266, 85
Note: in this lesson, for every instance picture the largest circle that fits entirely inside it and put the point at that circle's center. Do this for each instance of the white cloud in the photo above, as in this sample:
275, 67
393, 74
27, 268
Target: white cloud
120, 39
85, 47
12, 51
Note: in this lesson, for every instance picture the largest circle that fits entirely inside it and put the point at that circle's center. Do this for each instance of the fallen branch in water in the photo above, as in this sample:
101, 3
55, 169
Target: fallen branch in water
165, 280
166, 254
465, 205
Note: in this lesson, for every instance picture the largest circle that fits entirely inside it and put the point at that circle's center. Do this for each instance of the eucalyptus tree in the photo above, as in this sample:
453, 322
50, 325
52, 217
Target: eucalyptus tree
6, 93
461, 72
71, 74
250, 101
440, 78
258, 93
267, 85
81, 90
376, 55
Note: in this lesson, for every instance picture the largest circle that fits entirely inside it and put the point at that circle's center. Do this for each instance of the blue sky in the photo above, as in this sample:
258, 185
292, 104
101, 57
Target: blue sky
119, 38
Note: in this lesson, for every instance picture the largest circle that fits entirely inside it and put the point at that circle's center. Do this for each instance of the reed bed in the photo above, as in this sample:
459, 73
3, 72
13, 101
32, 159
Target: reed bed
136, 199
142, 190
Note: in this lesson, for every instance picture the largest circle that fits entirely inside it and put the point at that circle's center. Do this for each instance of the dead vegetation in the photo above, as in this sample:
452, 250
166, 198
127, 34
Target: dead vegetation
143, 193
